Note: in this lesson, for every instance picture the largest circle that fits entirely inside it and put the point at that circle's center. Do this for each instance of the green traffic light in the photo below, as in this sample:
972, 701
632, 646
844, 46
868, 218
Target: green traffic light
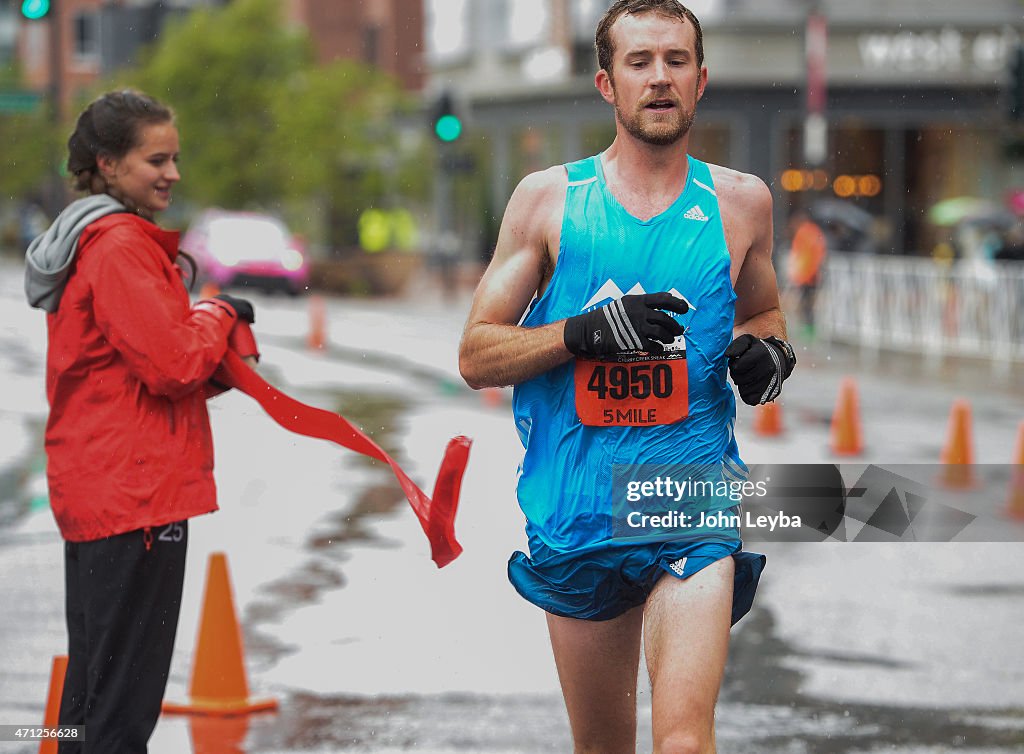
35, 9
448, 128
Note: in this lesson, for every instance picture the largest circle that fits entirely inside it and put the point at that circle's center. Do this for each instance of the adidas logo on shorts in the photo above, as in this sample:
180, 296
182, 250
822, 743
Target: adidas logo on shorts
679, 567
696, 213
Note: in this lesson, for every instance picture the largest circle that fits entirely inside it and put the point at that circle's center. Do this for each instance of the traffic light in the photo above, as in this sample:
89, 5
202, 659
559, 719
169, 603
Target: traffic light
447, 124
1017, 83
34, 10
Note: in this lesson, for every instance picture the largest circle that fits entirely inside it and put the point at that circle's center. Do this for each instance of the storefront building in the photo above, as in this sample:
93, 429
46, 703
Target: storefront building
916, 103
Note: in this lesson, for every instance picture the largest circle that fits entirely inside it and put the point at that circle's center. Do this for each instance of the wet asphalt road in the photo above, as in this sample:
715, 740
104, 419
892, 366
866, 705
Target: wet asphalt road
776, 697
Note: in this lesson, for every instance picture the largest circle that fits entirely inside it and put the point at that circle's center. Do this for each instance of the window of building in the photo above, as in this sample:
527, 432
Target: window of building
447, 29
584, 15
8, 35
712, 142
529, 23
35, 48
86, 37
371, 44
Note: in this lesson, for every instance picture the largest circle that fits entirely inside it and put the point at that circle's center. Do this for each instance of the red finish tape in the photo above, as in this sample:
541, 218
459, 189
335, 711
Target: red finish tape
436, 514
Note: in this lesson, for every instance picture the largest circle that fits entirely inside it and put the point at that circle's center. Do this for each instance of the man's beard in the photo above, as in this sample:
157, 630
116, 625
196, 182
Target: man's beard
657, 133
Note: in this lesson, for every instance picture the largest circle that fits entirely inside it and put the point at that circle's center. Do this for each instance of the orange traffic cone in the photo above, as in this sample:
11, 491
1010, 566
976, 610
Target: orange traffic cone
317, 324
52, 714
958, 453
219, 685
768, 419
847, 439
209, 290
1015, 502
218, 735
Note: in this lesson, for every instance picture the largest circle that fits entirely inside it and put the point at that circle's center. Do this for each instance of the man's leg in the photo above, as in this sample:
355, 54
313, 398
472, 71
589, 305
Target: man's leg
597, 665
686, 641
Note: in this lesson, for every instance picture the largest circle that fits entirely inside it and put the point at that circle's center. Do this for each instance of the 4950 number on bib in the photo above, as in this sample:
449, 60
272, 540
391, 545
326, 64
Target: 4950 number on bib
637, 390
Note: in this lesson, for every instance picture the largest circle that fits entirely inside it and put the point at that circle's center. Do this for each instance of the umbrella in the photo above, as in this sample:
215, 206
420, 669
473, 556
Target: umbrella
962, 209
839, 212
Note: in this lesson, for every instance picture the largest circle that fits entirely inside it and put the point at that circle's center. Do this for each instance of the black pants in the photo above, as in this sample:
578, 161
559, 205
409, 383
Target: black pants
122, 604
807, 296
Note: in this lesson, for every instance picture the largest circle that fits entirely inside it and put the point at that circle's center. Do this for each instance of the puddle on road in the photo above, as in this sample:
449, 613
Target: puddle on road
387, 362
762, 675
380, 417
17, 496
13, 502
452, 722
761, 711
988, 590
356, 523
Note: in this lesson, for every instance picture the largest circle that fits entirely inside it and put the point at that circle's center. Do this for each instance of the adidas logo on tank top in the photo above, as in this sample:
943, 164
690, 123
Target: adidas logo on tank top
696, 213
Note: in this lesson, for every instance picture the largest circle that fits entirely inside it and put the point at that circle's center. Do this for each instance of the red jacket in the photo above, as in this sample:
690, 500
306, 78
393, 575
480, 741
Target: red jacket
128, 437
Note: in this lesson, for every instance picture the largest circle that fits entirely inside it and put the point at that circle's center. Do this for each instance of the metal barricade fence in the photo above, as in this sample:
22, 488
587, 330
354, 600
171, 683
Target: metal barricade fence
921, 306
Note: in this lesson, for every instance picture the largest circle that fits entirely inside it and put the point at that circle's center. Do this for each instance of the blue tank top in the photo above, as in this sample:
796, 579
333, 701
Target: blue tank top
565, 480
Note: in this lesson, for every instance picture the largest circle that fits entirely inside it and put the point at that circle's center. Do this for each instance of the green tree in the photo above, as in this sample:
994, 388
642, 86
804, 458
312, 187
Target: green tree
32, 150
336, 133
223, 69
263, 125
32, 154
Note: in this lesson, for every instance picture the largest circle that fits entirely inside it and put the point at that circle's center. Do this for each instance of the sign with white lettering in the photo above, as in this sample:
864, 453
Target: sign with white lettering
947, 49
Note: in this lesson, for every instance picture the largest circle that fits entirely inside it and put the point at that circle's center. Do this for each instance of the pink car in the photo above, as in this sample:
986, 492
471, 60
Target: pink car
248, 249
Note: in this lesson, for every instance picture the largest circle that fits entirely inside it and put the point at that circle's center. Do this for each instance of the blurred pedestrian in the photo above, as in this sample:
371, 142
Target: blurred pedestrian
129, 450
446, 260
1012, 247
615, 371
807, 252
31, 222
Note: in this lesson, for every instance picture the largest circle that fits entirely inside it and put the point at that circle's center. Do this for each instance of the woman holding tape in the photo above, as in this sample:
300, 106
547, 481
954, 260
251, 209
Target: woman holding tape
129, 449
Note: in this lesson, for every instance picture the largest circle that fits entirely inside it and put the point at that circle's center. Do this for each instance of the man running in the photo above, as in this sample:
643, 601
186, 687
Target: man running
649, 274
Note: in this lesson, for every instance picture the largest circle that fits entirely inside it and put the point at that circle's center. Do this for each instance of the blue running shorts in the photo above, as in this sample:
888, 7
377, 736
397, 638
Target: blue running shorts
603, 583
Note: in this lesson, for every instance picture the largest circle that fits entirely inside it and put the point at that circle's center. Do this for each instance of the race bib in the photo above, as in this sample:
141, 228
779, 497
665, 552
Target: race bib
633, 389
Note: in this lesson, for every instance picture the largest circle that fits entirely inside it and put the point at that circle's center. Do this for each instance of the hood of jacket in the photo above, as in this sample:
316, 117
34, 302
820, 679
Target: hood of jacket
49, 256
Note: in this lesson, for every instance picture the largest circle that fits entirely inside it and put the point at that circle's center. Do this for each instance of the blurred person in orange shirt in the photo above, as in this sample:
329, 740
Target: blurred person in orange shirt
806, 256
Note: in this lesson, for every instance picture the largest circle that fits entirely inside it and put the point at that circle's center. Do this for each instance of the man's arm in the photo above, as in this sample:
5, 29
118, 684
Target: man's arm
758, 311
495, 350
759, 358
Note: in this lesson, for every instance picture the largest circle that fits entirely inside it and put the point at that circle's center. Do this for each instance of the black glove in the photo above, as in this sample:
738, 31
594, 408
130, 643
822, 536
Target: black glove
758, 367
632, 323
242, 307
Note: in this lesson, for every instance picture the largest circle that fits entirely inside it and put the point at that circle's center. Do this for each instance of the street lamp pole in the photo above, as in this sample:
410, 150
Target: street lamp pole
816, 123
56, 193
56, 59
